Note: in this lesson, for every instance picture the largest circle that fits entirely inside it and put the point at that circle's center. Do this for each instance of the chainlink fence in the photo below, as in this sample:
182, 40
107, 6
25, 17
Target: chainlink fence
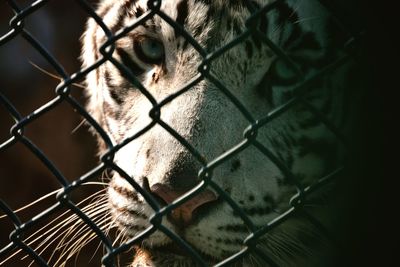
64, 95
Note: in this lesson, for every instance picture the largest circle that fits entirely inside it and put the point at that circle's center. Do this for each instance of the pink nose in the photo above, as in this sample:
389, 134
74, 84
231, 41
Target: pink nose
183, 214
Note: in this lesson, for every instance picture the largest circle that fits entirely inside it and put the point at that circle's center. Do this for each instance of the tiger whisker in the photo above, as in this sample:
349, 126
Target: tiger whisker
74, 244
49, 233
49, 195
80, 226
66, 227
33, 203
61, 223
75, 247
107, 228
54, 75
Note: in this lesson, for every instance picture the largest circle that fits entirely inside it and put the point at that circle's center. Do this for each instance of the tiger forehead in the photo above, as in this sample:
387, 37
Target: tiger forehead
197, 17
175, 8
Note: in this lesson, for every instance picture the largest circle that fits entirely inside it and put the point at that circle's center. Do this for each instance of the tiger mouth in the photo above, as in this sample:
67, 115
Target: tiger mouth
174, 249
179, 251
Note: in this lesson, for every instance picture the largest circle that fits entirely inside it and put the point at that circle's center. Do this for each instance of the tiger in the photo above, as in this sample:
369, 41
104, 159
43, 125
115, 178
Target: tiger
165, 75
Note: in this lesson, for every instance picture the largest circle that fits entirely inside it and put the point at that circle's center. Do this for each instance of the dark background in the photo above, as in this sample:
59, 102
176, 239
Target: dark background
371, 225
373, 221
23, 178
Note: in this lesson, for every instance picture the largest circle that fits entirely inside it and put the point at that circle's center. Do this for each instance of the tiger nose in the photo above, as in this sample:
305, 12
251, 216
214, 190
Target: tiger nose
182, 215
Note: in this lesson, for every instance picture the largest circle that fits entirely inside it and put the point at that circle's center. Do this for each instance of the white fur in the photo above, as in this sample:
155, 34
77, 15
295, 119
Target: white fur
204, 116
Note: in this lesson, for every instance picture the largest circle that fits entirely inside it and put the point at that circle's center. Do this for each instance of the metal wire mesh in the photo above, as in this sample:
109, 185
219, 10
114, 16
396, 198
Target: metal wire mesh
63, 94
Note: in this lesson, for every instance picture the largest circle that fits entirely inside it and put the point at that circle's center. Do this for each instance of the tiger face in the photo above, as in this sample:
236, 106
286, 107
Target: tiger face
130, 96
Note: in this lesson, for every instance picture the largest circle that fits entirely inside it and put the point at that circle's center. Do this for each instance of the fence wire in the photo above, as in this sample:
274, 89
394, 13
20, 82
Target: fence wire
63, 94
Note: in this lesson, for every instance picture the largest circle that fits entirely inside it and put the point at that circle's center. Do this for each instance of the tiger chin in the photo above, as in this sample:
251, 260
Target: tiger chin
154, 60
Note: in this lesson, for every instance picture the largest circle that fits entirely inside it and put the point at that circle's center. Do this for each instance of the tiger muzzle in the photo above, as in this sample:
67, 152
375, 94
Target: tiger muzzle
183, 215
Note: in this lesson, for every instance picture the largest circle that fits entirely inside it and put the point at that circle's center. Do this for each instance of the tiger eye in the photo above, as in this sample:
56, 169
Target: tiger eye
150, 50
